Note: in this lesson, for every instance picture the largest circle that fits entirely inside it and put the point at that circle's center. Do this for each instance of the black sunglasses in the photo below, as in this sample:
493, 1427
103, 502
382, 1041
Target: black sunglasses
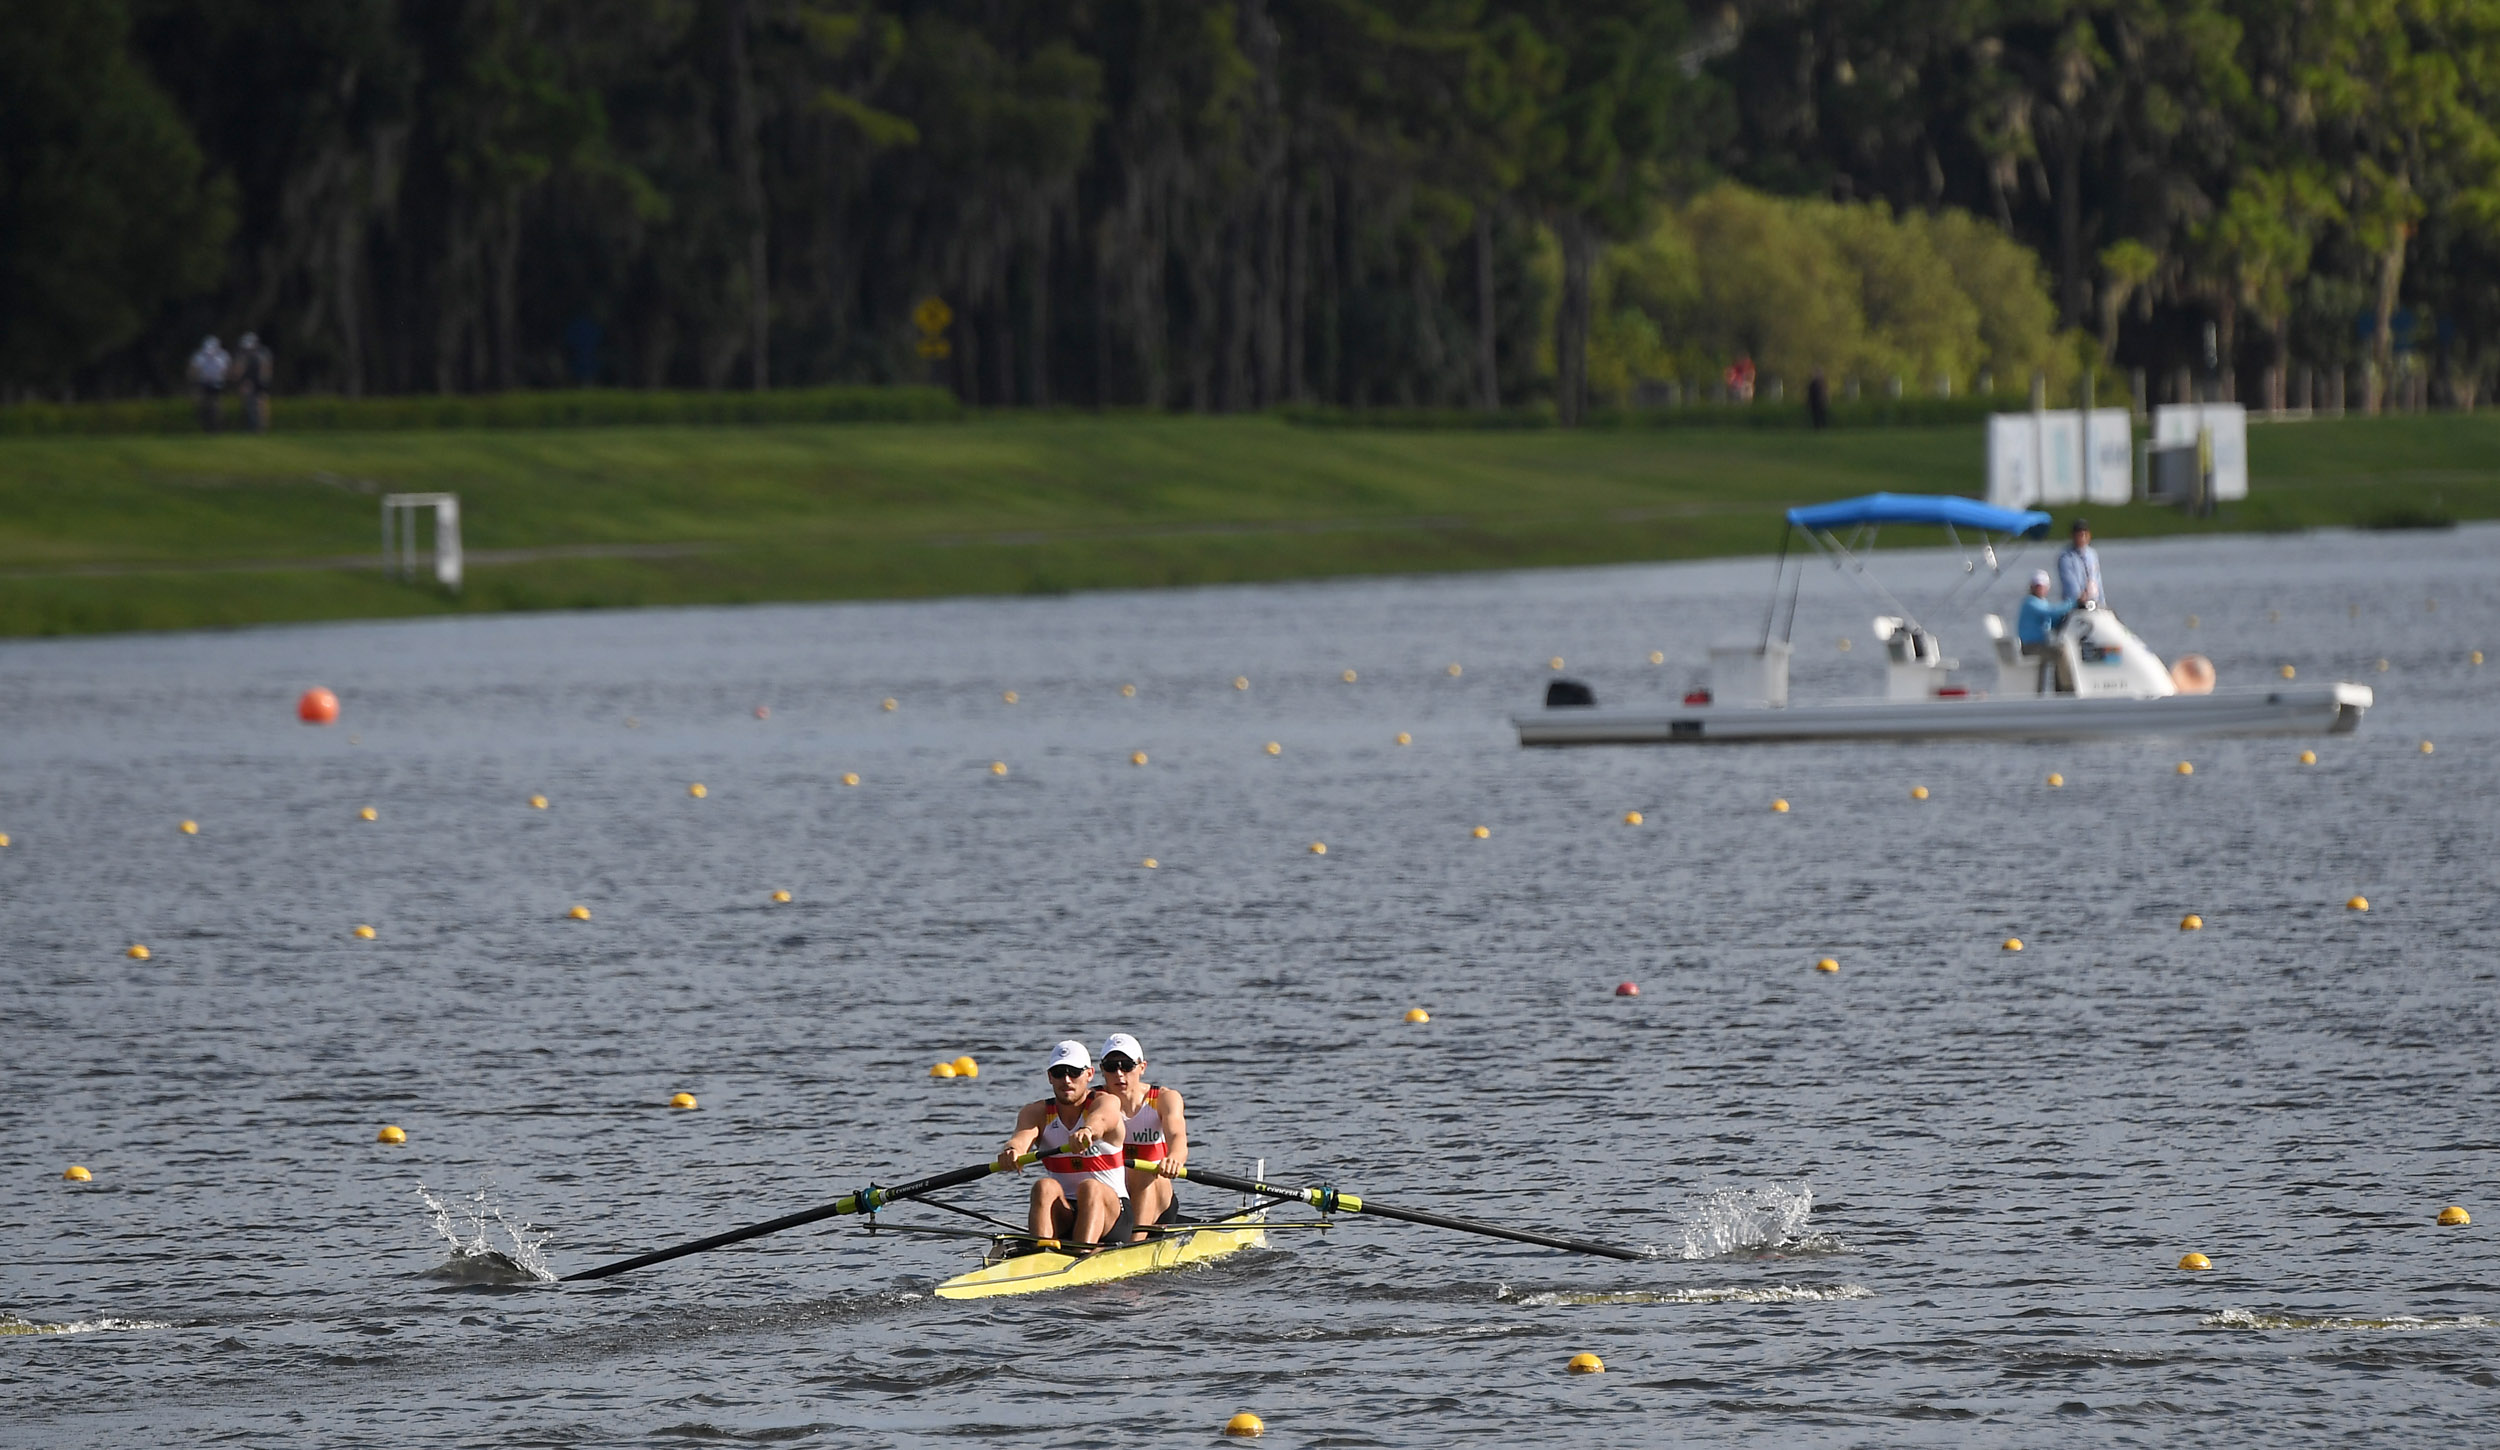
1057, 1073
1118, 1064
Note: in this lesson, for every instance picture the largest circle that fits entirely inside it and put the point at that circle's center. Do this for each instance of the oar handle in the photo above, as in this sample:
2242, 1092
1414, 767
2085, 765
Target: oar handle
1332, 1200
867, 1200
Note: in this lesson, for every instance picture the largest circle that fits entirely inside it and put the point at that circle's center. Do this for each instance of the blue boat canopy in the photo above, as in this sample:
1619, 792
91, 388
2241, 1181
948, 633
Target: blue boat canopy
1917, 508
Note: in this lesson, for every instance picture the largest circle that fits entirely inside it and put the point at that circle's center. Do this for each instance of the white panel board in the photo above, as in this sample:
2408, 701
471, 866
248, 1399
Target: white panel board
2013, 463
2061, 460
2112, 479
2228, 422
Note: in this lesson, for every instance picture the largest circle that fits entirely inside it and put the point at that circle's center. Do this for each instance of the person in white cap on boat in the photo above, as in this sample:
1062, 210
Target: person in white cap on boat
1156, 1132
2036, 628
1081, 1129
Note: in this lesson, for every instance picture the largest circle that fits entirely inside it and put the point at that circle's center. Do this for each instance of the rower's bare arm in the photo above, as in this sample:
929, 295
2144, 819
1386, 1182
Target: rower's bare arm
1175, 1129
1028, 1130
1105, 1121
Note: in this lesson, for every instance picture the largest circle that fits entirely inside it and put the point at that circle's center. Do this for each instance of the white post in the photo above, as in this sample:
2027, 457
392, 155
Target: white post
447, 541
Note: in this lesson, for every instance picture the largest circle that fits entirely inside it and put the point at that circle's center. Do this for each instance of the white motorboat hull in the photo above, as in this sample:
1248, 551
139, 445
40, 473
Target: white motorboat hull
2310, 710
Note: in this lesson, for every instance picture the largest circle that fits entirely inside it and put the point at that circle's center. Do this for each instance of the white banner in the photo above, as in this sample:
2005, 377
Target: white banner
2228, 422
2038, 460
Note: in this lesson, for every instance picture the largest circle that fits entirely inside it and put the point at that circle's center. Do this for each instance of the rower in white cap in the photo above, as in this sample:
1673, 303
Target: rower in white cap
1080, 1128
1156, 1131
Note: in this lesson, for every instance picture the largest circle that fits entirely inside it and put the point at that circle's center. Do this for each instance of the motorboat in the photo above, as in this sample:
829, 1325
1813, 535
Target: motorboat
2096, 678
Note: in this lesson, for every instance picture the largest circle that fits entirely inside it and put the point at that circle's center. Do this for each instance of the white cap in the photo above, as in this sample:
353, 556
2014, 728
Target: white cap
1070, 1053
1121, 1042
2040, 578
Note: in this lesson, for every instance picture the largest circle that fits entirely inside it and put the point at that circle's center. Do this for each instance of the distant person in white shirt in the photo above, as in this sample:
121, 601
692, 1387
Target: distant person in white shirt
2079, 569
208, 376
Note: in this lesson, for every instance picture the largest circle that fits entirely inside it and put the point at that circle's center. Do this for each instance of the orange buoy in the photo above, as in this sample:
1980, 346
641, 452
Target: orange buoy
2193, 675
1627, 989
317, 706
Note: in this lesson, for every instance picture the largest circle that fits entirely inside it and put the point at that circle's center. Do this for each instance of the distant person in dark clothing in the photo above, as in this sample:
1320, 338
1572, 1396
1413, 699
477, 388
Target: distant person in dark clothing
208, 370
1819, 400
254, 371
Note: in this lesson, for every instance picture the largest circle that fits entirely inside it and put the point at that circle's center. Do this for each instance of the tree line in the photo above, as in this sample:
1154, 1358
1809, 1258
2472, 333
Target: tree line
1180, 204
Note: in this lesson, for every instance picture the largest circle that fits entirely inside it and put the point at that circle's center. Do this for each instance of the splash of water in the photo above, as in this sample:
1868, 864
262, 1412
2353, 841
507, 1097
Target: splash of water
11, 1324
1719, 1294
1766, 1221
2401, 1323
470, 1226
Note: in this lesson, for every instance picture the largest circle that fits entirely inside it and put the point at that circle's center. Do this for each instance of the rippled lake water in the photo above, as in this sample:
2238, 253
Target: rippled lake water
1938, 1196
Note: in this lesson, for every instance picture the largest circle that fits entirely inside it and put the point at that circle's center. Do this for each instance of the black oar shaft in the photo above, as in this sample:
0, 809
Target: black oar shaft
1329, 1200
865, 1201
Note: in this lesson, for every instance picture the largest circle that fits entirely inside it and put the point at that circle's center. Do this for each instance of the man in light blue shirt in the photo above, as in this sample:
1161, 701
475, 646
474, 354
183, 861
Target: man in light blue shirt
2036, 627
2079, 569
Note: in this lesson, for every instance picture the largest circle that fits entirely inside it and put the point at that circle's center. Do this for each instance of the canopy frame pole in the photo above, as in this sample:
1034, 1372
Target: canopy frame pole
1778, 569
1832, 545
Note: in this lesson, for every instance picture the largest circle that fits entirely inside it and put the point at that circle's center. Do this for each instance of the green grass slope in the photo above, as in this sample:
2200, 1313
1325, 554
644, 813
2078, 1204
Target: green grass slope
157, 532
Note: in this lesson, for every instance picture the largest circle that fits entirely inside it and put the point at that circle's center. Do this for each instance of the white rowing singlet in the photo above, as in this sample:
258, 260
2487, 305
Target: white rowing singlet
1146, 1142
1101, 1165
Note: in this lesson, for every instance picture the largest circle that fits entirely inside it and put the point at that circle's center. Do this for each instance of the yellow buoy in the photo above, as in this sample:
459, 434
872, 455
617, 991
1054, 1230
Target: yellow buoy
2013, 943
1483, 832
1348, 677
1633, 818
2382, 667
2287, 672
579, 913
1405, 739
2309, 757
1241, 682
1779, 807
2056, 780
190, 828
1454, 671
1844, 646
1246, 1425
368, 814
1009, 697
887, 703
1137, 757
1417, 1014
366, 932
850, 777
77, 1173
1128, 692
1586, 1364
943, 1069
1555, 662
138, 952
2195, 1263
2426, 747
1918, 792
2453, 1216
682, 1100
966, 1067
1828, 964
1273, 748
1150, 863
2187, 768
1657, 657
4, 839
1319, 848
781, 898
2475, 658
697, 790
391, 1133
538, 802
2358, 903
998, 767
2191, 922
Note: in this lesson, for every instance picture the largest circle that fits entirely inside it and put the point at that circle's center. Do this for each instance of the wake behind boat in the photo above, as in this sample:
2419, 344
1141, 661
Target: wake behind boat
2095, 678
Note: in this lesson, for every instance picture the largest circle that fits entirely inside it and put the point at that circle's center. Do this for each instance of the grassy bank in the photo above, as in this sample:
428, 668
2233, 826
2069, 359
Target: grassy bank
156, 532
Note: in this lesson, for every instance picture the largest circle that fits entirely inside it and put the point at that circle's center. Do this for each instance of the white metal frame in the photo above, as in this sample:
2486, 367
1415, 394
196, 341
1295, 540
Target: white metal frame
399, 535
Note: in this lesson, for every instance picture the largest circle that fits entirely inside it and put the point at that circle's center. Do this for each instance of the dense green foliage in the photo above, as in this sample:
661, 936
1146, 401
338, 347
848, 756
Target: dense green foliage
169, 532
1177, 204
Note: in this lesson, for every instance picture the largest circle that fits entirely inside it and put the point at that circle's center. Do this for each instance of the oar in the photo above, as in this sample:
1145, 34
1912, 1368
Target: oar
867, 1200
1330, 1200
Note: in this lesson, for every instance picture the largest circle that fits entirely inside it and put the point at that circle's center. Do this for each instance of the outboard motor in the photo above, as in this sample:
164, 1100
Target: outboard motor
1568, 694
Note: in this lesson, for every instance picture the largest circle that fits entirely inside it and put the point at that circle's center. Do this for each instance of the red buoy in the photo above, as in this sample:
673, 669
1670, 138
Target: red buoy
1627, 989
763, 712
317, 707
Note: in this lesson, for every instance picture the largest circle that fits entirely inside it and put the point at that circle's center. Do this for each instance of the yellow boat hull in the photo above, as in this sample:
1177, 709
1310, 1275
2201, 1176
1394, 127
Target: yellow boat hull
1035, 1272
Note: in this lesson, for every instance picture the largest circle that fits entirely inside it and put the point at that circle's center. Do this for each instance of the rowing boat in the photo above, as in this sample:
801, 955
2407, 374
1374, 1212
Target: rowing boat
1003, 1272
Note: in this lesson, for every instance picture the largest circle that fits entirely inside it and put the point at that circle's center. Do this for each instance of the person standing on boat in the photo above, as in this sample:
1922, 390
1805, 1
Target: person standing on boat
1157, 1134
1081, 1130
2079, 569
2036, 628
